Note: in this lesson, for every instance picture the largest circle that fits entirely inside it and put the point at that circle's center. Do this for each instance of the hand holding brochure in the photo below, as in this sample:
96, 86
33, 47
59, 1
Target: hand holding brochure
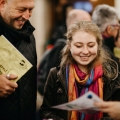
84, 103
11, 60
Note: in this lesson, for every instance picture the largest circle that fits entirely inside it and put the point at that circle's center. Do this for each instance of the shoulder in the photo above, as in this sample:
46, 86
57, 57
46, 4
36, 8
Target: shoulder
53, 70
52, 76
57, 71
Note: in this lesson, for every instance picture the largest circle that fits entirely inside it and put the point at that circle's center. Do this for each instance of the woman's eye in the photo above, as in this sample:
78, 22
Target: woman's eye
78, 46
91, 45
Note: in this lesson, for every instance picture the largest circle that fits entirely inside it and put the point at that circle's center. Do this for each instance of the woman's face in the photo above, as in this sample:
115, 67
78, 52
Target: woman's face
83, 48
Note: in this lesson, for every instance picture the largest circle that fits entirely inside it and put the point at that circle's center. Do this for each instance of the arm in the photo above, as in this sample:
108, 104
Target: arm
49, 98
7, 87
112, 108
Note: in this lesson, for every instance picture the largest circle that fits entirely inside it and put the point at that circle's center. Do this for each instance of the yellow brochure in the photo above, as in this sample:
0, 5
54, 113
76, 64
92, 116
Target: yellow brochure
11, 60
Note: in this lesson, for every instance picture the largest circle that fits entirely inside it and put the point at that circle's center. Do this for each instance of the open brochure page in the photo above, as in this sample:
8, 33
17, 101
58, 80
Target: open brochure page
84, 103
11, 60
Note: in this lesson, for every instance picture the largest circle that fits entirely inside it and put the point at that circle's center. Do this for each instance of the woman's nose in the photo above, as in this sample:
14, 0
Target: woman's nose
85, 50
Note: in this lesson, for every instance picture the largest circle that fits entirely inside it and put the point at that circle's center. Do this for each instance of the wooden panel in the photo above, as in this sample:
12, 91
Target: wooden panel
109, 2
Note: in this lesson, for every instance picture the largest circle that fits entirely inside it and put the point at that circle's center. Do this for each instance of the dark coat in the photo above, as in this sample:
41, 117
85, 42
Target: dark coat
56, 92
21, 105
51, 58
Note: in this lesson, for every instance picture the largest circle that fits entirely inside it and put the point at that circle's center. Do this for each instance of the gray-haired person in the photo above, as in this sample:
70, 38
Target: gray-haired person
106, 18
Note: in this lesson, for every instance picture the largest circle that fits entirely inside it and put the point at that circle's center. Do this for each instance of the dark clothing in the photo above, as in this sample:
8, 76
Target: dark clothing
51, 58
56, 91
21, 104
58, 32
109, 45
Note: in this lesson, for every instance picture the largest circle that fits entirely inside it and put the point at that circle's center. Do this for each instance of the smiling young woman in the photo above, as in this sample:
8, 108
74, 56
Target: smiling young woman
85, 66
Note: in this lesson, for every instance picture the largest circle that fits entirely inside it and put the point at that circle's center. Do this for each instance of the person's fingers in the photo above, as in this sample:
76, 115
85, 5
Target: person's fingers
13, 84
11, 76
8, 91
103, 104
106, 110
10, 83
7, 86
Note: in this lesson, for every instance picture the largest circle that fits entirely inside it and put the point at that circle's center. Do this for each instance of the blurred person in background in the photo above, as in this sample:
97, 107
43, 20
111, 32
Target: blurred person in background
85, 66
117, 47
60, 11
77, 15
106, 18
18, 100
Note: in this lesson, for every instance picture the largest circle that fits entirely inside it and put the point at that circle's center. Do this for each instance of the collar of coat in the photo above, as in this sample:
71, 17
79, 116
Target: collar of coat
14, 35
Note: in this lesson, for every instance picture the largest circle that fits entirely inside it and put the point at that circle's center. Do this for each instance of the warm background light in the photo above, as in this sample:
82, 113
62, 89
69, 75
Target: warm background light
93, 0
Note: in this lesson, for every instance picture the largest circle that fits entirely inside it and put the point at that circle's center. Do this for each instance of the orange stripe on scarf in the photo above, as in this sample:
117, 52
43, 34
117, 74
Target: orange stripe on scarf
72, 92
100, 83
81, 82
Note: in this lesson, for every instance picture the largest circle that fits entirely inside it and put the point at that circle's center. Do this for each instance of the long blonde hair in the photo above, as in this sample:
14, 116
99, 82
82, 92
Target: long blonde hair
90, 28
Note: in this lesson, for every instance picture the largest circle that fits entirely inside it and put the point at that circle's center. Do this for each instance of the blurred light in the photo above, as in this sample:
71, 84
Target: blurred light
87, 6
93, 0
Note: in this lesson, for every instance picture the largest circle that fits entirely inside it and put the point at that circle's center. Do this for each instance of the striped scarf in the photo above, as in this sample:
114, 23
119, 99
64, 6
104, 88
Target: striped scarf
92, 82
